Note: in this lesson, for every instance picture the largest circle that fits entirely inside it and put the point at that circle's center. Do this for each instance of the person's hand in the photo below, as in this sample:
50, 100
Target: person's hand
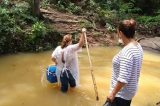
83, 30
110, 98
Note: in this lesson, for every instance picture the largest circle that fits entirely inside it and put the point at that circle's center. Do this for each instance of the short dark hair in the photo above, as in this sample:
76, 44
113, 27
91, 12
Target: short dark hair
128, 27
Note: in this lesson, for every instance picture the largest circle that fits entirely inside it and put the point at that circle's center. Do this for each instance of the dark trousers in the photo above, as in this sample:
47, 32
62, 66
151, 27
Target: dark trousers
120, 102
67, 78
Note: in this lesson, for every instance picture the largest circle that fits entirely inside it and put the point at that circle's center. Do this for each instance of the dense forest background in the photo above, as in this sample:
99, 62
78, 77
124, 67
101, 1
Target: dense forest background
24, 28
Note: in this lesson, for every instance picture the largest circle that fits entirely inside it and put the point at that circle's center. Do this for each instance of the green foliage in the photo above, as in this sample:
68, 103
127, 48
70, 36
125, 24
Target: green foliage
22, 11
87, 24
20, 31
148, 7
110, 27
106, 18
149, 20
128, 9
4, 3
69, 7
17, 32
108, 4
106, 14
36, 37
72, 8
39, 30
7, 23
14, 18
41, 37
45, 3
90, 5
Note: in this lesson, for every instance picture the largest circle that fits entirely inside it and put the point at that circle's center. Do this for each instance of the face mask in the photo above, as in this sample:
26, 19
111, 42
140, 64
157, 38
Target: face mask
120, 41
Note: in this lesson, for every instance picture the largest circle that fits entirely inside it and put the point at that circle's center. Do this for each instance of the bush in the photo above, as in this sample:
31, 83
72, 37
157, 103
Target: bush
72, 8
38, 30
14, 18
108, 4
20, 31
45, 3
149, 20
69, 7
86, 24
148, 7
41, 37
38, 33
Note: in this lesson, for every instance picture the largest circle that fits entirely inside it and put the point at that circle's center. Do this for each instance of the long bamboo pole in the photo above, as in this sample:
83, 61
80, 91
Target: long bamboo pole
91, 66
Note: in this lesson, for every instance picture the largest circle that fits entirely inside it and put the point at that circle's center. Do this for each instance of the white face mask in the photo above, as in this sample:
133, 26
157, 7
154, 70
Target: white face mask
120, 41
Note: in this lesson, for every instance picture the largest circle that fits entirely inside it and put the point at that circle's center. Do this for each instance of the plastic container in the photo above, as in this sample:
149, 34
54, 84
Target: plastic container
51, 74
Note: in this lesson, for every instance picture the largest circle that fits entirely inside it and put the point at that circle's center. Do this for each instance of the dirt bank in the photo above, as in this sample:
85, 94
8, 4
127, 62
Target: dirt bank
66, 23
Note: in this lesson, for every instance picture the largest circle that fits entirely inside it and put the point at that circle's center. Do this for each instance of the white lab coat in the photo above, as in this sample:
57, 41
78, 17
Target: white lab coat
71, 60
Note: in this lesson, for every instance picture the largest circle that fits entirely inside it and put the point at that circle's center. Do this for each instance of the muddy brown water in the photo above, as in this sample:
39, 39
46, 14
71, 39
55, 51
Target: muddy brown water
20, 80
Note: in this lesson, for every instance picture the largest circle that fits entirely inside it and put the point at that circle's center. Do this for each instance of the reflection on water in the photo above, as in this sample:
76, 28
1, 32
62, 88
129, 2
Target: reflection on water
20, 83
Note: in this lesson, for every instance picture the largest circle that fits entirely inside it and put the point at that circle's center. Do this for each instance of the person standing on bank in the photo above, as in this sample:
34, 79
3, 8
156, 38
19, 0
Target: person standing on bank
66, 54
126, 66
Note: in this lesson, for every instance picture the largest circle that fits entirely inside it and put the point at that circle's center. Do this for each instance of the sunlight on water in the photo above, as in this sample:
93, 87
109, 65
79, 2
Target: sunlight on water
20, 80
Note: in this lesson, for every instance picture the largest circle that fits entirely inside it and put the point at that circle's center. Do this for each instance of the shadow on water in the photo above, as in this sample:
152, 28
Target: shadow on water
20, 83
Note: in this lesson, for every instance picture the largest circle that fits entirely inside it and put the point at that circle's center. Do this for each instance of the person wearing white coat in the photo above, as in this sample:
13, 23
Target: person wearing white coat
70, 56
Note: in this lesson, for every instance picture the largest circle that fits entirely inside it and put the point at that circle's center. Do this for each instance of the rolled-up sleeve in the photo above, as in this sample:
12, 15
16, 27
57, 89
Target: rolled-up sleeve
75, 48
126, 65
55, 53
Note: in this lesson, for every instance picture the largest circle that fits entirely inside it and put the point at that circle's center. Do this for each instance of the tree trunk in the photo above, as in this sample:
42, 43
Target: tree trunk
36, 8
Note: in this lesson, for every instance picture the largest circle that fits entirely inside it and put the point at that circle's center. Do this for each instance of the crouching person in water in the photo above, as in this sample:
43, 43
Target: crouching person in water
66, 60
126, 66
